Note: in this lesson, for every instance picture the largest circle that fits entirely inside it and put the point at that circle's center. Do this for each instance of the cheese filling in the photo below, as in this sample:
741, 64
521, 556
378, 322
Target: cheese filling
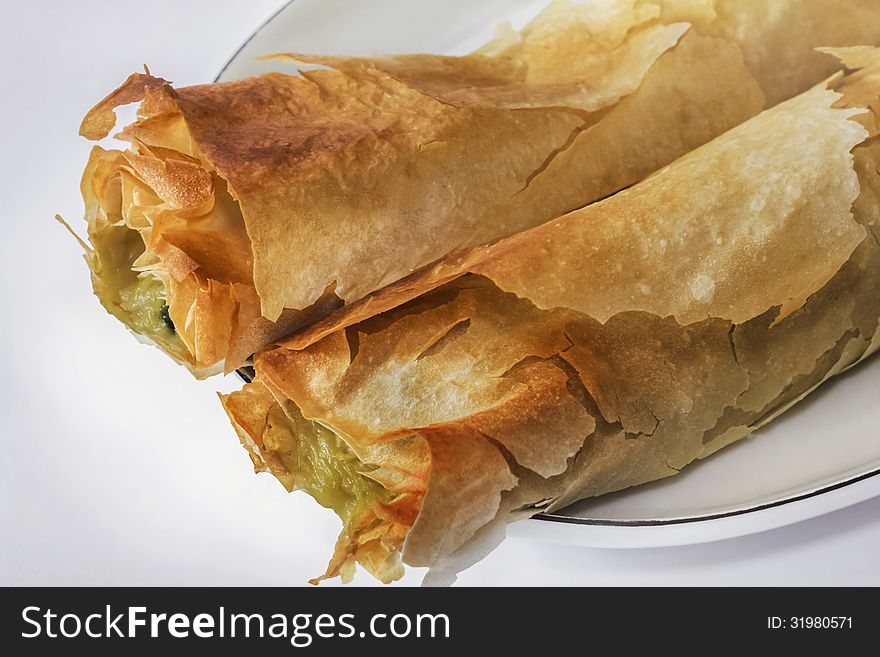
322, 465
136, 298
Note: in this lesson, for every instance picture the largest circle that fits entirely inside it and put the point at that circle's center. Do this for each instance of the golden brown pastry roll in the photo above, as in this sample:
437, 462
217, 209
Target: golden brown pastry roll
607, 348
246, 210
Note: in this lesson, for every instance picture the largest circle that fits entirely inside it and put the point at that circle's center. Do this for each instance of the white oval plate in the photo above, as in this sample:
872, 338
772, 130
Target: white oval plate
822, 456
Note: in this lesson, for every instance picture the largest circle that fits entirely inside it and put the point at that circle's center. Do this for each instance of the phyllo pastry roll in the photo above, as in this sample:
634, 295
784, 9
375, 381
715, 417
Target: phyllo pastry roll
607, 348
245, 210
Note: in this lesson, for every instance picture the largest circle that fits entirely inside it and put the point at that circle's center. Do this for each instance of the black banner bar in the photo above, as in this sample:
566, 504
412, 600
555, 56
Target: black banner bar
398, 621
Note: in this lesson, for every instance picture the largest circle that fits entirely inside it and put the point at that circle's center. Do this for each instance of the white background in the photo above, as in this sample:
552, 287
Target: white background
116, 467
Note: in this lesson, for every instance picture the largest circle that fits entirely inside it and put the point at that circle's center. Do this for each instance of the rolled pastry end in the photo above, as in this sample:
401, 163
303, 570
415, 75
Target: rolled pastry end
377, 505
